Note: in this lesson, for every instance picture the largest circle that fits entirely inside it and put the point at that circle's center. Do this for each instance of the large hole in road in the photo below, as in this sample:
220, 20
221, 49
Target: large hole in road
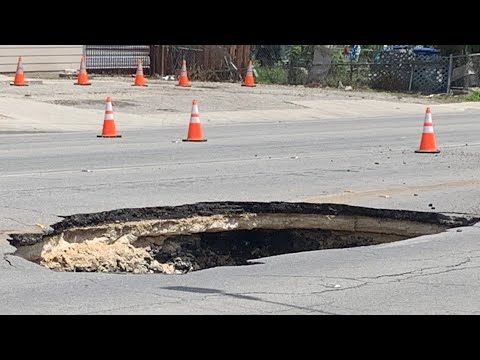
176, 240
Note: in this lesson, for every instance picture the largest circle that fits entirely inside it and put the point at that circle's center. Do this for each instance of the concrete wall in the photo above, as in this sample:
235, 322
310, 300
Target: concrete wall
322, 61
40, 57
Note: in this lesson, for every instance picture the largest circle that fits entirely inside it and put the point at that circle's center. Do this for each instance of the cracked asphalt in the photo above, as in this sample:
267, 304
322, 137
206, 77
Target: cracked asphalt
363, 160
427, 275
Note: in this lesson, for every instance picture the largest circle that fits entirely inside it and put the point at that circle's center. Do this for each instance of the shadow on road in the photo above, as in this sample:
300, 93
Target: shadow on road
208, 291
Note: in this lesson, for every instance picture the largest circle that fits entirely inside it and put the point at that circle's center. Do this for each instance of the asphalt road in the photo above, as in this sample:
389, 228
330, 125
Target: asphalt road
364, 161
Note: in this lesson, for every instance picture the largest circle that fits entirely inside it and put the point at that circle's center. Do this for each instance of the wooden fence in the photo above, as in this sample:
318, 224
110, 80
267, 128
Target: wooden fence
212, 59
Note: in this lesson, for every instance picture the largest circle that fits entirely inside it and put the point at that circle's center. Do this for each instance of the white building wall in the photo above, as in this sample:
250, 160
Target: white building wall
40, 57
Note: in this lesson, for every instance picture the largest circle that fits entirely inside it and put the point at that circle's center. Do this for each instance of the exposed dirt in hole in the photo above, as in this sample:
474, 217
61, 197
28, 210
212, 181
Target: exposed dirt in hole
99, 256
193, 237
233, 248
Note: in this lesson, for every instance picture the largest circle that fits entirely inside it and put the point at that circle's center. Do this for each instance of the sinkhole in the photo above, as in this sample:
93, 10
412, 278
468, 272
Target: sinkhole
180, 239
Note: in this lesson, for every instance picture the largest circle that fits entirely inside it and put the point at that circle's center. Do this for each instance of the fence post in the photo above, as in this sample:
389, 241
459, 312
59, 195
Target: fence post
163, 60
450, 71
351, 72
153, 60
411, 77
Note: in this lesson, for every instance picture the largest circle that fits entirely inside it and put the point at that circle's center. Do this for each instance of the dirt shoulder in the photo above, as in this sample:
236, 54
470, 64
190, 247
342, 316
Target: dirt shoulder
58, 105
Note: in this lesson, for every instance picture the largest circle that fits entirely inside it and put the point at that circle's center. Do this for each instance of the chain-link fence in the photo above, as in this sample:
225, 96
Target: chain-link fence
394, 68
282, 64
290, 64
391, 68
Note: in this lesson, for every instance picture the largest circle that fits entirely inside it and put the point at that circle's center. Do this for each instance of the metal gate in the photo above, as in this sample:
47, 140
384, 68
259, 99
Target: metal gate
115, 58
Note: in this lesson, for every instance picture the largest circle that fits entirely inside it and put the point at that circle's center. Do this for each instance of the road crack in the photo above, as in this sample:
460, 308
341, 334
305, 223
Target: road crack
9, 262
423, 272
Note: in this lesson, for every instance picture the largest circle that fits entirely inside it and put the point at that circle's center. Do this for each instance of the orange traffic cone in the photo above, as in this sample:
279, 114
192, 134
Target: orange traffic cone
428, 143
19, 76
82, 78
183, 79
139, 78
195, 128
249, 80
109, 129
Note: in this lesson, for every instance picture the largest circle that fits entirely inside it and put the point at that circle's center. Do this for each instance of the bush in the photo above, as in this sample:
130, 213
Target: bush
300, 55
272, 75
473, 96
